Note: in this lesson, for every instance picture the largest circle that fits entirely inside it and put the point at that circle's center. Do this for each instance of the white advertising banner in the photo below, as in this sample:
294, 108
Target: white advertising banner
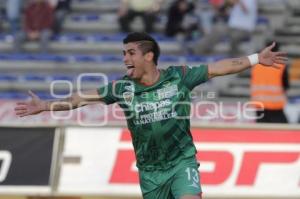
234, 162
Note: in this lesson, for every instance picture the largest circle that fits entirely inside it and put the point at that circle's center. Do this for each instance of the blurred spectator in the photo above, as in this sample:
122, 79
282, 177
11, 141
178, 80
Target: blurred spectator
61, 8
13, 15
221, 10
268, 90
241, 24
212, 12
176, 13
38, 21
146, 9
2, 11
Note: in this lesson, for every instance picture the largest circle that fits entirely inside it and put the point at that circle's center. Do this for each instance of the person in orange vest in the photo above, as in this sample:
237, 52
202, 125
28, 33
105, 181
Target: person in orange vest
268, 91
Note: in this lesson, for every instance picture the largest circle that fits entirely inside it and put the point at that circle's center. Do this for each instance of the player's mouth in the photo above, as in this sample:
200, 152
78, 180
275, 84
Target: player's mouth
129, 66
130, 70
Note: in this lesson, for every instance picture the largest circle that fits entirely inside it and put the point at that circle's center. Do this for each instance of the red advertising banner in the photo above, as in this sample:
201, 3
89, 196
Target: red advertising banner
233, 162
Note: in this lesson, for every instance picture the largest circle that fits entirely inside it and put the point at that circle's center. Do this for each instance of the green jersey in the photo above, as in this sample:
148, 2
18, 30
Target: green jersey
158, 116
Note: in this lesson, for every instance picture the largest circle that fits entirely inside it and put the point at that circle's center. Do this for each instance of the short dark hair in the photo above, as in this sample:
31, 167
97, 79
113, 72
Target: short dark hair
146, 43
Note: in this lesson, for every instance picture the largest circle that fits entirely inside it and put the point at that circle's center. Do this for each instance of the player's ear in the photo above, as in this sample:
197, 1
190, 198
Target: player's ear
149, 56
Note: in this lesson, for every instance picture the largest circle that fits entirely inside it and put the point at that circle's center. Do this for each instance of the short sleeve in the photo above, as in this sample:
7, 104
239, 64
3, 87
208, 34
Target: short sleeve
193, 76
107, 93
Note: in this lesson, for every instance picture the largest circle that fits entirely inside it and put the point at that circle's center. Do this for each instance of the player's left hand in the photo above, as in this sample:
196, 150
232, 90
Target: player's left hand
269, 58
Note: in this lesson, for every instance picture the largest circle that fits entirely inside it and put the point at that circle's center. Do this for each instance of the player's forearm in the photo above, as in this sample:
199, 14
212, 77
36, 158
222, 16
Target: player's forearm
229, 66
62, 105
76, 100
234, 65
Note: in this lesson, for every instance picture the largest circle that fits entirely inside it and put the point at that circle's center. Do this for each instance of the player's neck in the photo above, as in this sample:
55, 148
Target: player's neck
150, 77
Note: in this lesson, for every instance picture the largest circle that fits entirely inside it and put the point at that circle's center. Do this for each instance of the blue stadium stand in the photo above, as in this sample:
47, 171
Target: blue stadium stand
33, 57
13, 95
46, 78
95, 5
83, 58
8, 78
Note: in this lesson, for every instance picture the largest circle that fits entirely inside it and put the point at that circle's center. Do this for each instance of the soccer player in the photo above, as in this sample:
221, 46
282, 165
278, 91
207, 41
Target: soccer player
156, 104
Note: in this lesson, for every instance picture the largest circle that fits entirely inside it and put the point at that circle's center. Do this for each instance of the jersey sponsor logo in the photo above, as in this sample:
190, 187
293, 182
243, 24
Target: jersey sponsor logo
160, 110
167, 92
155, 117
149, 106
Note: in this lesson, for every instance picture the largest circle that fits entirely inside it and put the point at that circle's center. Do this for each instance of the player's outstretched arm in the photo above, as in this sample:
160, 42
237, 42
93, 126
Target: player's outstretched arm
229, 66
35, 105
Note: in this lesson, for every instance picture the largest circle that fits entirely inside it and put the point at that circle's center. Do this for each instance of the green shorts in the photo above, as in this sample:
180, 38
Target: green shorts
182, 179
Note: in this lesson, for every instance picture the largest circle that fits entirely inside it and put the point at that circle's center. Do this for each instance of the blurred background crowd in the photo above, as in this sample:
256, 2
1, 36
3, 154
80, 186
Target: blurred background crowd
46, 40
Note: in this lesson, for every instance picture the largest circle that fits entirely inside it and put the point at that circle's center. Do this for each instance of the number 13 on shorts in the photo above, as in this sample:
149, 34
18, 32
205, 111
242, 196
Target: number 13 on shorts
192, 176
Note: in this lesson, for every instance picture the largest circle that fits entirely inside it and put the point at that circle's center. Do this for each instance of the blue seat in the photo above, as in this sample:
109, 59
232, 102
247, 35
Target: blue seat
114, 76
118, 37
85, 17
262, 20
4, 56
169, 58
104, 37
86, 58
2, 36
8, 77
92, 79
76, 37
19, 57
50, 57
69, 37
76, 18
99, 79
13, 95
93, 17
44, 95
204, 59
162, 38
294, 100
35, 77
63, 77
111, 58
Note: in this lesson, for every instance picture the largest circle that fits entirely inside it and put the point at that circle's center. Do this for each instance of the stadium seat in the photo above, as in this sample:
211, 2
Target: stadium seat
8, 78
64, 77
35, 77
10, 95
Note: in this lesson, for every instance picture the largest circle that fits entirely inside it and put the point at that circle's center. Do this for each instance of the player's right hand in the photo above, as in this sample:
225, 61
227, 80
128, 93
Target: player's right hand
31, 107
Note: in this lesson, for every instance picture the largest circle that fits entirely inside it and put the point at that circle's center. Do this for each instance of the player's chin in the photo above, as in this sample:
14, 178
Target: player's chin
135, 75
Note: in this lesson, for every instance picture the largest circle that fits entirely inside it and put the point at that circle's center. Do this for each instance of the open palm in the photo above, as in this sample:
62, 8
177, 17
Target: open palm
269, 58
32, 107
